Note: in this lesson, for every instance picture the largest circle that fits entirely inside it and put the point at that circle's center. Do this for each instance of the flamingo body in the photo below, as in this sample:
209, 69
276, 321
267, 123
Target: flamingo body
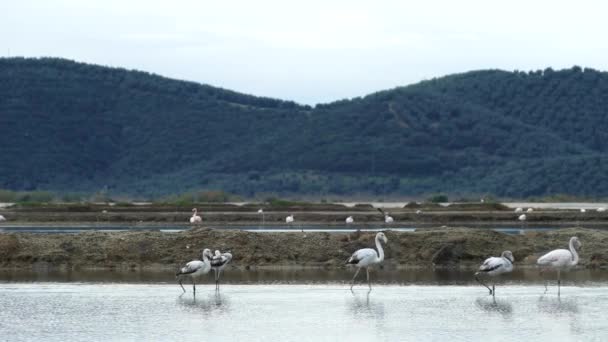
367, 257
194, 269
518, 210
2, 218
560, 260
195, 218
349, 220
388, 219
494, 266
289, 219
218, 263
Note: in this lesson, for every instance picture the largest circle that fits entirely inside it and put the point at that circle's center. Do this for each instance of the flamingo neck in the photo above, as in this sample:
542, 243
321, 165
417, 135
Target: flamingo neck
574, 254
380, 250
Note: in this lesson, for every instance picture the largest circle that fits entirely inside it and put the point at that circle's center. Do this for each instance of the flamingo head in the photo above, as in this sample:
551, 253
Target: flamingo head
217, 253
194, 210
381, 236
508, 255
207, 253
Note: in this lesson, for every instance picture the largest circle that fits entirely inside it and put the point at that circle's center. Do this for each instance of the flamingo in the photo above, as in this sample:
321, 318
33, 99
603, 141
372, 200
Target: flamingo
367, 257
522, 217
261, 211
494, 266
194, 269
2, 218
387, 217
518, 210
560, 259
289, 219
583, 210
601, 209
418, 212
349, 220
530, 210
195, 218
218, 263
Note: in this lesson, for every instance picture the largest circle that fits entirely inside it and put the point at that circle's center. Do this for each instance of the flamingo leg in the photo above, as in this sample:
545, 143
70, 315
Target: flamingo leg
353, 281
368, 282
180, 284
558, 282
193, 286
482, 283
217, 281
493, 290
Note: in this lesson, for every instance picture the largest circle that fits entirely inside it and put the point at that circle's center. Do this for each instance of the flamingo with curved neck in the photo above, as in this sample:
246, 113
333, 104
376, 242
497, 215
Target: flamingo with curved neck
368, 257
560, 259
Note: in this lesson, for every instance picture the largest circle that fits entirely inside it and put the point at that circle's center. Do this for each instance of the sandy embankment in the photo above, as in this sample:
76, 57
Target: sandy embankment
457, 247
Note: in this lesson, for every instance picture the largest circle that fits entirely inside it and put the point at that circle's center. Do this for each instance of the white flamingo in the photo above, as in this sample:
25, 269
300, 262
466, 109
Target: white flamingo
194, 269
195, 218
349, 220
289, 219
583, 210
218, 263
494, 266
367, 257
2, 218
530, 210
387, 217
560, 260
519, 210
601, 209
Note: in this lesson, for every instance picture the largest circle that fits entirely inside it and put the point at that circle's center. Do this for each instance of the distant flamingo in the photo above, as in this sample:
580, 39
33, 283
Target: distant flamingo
289, 219
218, 263
367, 257
494, 266
2, 218
387, 217
560, 259
518, 210
195, 218
601, 209
530, 210
194, 269
349, 220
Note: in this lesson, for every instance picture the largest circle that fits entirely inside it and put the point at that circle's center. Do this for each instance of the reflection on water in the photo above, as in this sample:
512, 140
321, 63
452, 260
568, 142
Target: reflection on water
143, 312
214, 304
492, 305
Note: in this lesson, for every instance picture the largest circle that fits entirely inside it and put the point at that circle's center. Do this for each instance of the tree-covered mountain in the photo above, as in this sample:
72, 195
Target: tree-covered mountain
68, 126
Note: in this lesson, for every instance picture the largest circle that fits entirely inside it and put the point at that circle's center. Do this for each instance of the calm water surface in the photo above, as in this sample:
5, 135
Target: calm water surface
156, 312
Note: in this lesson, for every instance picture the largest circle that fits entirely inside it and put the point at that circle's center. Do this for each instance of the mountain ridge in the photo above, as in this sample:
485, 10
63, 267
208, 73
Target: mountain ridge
69, 126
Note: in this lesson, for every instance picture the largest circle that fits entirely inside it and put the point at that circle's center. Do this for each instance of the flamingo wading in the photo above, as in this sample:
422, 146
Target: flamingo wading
194, 269
218, 263
195, 218
560, 260
367, 257
494, 266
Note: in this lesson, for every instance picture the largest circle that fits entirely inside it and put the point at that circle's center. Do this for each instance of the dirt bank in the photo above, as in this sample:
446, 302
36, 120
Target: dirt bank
423, 248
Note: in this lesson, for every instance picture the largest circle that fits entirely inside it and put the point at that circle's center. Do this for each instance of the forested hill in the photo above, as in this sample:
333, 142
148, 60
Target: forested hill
68, 126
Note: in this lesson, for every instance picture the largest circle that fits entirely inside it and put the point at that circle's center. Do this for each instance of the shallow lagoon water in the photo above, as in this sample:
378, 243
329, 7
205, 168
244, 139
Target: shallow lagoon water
157, 312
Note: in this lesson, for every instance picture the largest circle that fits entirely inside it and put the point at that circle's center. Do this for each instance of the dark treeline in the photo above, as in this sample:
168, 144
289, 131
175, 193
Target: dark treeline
67, 126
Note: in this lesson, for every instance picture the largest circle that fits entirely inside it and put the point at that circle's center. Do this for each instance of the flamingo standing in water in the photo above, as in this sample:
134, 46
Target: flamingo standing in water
194, 269
560, 259
218, 263
494, 266
349, 220
289, 219
367, 257
195, 218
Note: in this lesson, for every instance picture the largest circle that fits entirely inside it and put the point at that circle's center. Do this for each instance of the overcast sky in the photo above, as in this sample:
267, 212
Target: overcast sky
309, 51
